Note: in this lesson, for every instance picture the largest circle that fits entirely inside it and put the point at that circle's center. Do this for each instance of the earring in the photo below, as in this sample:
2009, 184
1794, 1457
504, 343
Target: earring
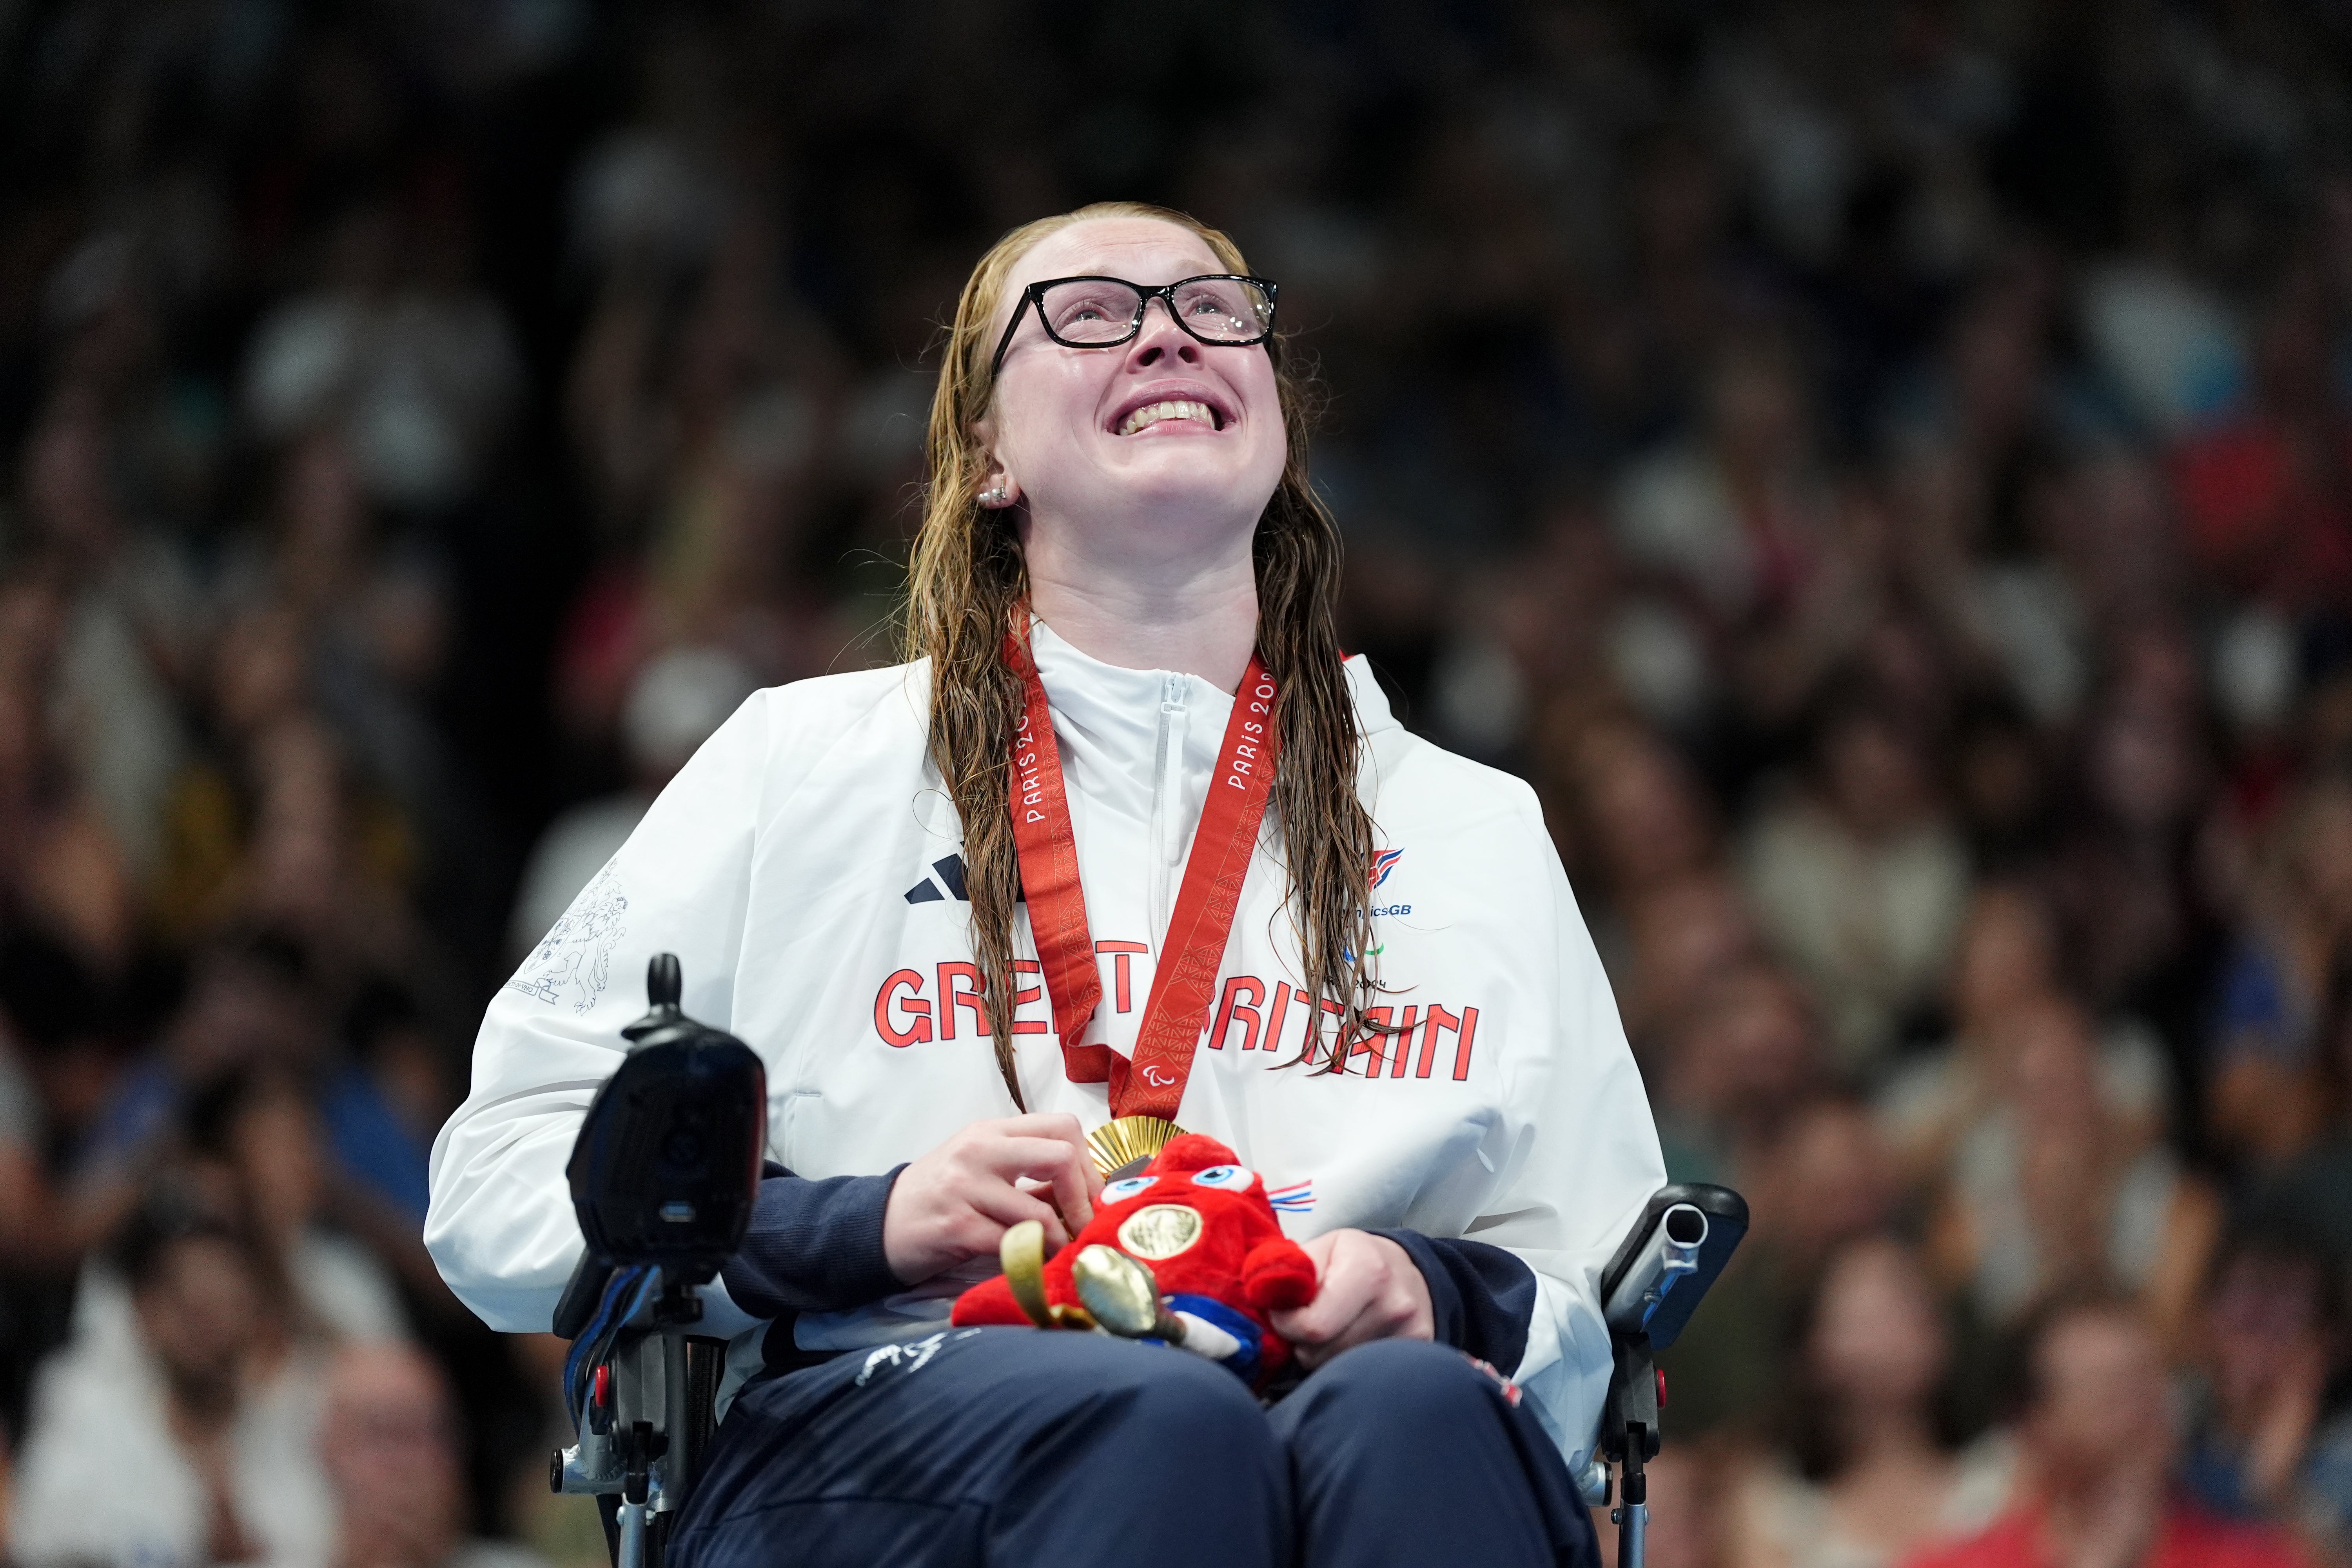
996, 496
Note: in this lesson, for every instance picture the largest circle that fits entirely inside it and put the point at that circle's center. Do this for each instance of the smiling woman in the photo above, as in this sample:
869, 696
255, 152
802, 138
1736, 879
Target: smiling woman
1142, 555
1127, 742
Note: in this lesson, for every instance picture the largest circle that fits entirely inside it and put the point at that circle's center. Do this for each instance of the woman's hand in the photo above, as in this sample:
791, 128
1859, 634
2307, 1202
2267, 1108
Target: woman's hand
1369, 1291
958, 1201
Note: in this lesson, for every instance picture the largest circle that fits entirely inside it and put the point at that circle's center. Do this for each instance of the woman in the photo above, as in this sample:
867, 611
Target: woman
1381, 997
1874, 1356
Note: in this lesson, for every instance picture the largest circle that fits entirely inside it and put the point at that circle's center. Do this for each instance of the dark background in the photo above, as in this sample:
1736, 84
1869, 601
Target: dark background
1880, 470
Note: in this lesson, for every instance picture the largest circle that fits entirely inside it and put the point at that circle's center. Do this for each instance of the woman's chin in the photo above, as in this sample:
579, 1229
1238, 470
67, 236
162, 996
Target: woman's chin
1193, 470
1191, 493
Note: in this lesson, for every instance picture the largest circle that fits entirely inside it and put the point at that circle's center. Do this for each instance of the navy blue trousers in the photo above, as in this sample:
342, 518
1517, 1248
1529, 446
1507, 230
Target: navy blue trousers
1009, 1446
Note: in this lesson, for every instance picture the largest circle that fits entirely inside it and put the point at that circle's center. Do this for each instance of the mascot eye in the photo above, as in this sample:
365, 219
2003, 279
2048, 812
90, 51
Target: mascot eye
1119, 1191
1232, 1178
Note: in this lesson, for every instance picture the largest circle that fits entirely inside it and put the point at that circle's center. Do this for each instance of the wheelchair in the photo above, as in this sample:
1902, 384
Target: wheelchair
663, 1177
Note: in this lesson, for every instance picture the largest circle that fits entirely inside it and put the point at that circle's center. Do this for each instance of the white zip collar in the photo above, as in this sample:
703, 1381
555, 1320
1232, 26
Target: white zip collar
1138, 743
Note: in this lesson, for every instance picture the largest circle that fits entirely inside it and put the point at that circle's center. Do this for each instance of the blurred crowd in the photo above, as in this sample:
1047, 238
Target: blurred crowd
1882, 469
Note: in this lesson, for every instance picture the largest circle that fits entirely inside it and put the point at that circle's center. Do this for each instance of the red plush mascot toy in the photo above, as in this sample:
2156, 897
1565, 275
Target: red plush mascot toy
1202, 1224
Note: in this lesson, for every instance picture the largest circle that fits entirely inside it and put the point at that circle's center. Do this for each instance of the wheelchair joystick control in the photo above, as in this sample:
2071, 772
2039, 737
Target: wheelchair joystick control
665, 982
663, 1174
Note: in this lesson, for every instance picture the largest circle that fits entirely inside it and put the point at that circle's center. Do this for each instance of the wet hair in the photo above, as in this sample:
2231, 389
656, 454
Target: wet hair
969, 583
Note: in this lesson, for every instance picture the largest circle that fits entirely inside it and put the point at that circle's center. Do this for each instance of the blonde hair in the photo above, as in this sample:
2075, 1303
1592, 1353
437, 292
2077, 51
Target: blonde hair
968, 581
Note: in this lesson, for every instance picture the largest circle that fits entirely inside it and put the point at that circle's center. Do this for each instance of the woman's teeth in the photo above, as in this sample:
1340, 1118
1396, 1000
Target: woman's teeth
1153, 413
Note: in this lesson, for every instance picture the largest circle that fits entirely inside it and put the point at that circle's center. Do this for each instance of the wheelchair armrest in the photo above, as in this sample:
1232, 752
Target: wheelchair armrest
1686, 1234
1662, 1268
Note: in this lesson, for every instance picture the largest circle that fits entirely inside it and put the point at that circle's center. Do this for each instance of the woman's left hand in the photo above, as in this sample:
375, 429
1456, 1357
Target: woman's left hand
1369, 1289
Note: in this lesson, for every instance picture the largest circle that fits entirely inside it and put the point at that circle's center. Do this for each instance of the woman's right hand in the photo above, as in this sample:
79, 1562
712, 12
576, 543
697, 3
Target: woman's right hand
958, 1201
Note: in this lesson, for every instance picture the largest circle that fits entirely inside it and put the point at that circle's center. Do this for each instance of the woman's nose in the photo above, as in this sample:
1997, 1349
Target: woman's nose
1160, 338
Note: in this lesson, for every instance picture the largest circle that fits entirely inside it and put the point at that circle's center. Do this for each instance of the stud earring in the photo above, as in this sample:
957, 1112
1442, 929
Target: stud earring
996, 496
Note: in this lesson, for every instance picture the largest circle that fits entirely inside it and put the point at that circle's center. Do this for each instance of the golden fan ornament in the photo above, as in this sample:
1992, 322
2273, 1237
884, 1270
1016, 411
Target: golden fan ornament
1129, 1141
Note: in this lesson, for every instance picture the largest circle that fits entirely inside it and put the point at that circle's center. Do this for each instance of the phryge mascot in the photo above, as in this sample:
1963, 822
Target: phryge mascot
1214, 1265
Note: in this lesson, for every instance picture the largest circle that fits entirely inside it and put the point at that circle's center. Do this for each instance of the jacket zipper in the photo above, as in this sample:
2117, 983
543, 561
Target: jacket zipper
1166, 797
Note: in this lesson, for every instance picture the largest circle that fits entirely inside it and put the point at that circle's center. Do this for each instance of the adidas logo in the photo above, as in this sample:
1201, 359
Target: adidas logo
948, 872
945, 882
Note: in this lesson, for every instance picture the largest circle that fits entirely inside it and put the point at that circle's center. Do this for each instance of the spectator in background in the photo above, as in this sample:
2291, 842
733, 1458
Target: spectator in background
1823, 1181
1681, 938
390, 1097
2269, 1075
2120, 875
2311, 1195
2270, 1340
675, 703
390, 1447
1643, 839
62, 865
417, 370
183, 1444
249, 999
1869, 1408
2051, 1190
262, 1129
126, 615
1858, 879
2097, 1444
1745, 1059
1730, 519
2006, 967
2264, 498
2004, 962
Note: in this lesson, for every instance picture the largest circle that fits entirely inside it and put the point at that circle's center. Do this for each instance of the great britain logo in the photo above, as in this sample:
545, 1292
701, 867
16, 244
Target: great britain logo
1384, 863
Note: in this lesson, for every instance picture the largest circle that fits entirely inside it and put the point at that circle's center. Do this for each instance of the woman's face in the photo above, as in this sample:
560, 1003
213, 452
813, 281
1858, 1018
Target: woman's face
1064, 429
1876, 1336
2005, 958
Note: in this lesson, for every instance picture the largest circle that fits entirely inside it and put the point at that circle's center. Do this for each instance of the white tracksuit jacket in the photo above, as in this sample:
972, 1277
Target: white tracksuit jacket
803, 868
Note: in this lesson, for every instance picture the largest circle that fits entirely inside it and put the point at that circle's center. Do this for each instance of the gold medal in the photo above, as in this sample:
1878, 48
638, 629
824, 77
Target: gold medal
1129, 1141
1160, 1231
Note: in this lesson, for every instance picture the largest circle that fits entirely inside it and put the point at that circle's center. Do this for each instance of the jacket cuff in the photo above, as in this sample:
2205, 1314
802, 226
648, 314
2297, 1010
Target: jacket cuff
813, 1246
1481, 1297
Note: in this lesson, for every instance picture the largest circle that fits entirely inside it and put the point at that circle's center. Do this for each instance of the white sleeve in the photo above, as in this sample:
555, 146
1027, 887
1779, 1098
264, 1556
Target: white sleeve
501, 1225
1580, 1115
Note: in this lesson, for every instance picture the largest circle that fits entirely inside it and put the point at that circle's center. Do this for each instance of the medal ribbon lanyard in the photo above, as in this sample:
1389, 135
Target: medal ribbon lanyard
1184, 982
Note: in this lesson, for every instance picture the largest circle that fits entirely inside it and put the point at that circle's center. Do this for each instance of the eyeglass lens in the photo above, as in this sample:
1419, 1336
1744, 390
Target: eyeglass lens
1104, 311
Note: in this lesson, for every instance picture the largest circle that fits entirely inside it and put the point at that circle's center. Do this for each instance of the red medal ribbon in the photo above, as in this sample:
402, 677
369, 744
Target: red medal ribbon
1185, 983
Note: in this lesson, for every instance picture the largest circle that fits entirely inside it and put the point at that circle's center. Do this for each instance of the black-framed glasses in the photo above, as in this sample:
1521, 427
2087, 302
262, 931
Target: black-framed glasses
1225, 309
